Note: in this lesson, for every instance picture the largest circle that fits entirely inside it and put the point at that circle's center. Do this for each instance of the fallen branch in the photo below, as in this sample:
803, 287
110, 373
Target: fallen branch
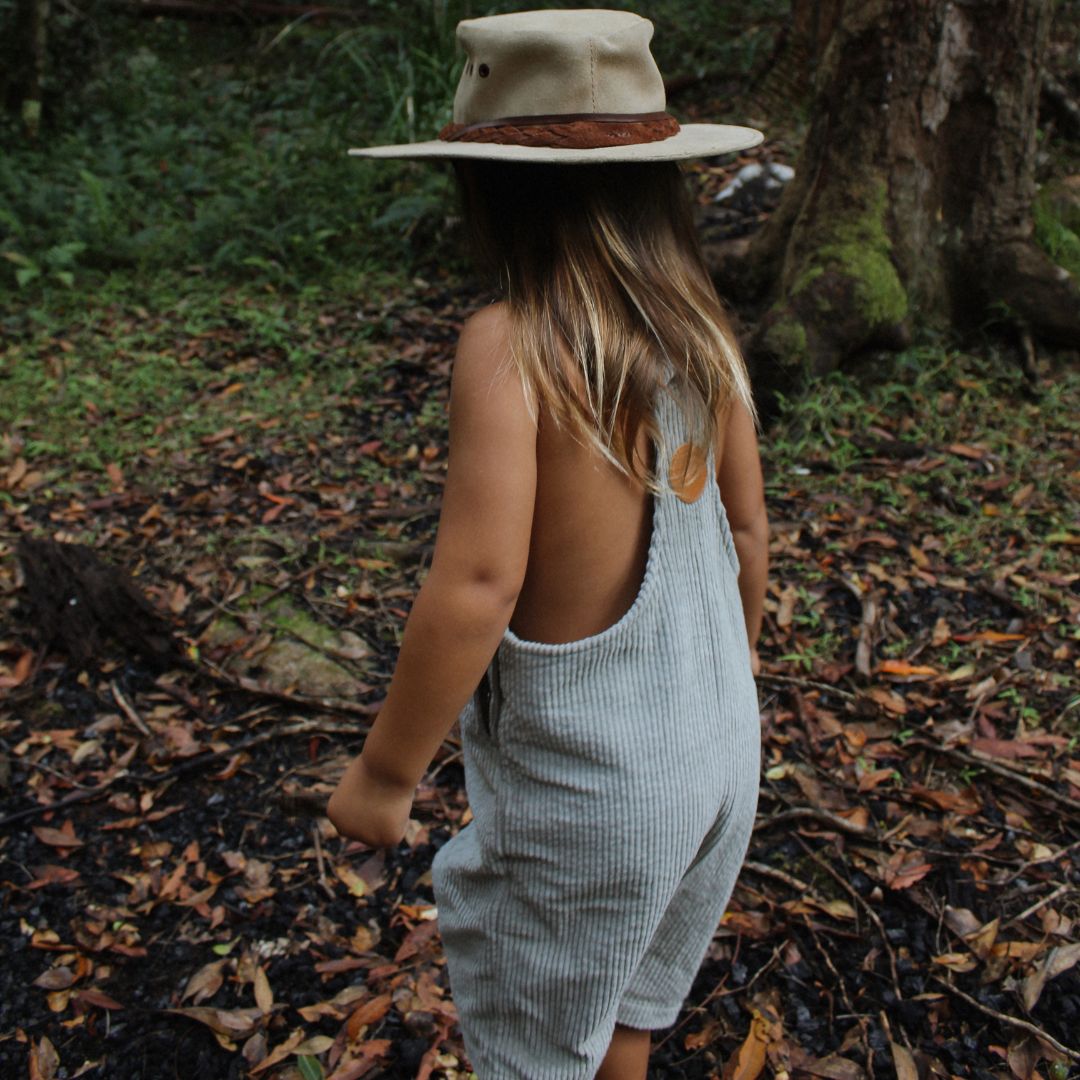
250, 686
772, 872
1012, 1021
981, 761
825, 817
305, 727
302, 804
870, 912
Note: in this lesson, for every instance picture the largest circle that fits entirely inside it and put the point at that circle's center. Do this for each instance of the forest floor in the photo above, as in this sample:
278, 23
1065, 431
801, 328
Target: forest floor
269, 469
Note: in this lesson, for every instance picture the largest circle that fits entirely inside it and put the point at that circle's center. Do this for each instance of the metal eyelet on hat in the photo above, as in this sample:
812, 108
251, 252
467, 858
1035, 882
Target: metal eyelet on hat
483, 71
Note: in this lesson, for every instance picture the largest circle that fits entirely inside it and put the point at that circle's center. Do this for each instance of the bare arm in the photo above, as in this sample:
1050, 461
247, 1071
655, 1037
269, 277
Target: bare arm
465, 604
743, 492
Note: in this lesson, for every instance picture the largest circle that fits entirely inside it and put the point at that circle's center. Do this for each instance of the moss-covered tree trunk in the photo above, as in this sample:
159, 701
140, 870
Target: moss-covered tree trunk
912, 195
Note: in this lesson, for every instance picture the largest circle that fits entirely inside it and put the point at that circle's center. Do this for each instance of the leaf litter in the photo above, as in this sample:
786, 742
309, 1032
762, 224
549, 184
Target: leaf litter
909, 904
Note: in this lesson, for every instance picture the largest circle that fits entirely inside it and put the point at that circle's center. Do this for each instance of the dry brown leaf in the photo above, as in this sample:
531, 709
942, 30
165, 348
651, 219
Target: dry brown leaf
98, 998
1005, 748
1023, 1056
749, 1059
904, 868
62, 838
360, 1060
889, 700
903, 1062
264, 996
902, 667
981, 942
280, 1052
835, 1068
57, 978
367, 1014
786, 610
1061, 958
205, 983
44, 1060
224, 1023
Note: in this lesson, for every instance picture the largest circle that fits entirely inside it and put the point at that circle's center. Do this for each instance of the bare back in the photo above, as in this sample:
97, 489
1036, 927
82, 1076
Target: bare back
589, 544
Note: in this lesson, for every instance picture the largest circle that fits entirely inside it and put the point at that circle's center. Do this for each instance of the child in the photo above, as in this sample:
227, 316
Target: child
592, 608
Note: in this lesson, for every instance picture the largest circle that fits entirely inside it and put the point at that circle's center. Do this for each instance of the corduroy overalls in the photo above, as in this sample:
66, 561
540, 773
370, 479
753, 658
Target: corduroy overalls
613, 783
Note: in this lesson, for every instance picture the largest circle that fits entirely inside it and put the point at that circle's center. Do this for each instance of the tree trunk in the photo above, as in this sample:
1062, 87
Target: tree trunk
912, 196
37, 22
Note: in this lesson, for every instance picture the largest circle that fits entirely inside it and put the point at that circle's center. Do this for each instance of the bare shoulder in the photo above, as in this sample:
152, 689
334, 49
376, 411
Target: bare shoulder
482, 365
738, 466
486, 333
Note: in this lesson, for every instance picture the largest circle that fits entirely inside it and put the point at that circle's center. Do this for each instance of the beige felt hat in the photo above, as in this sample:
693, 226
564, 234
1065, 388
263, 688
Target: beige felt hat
577, 87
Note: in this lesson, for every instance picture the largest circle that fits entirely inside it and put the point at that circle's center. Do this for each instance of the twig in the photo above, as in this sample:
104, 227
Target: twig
250, 686
981, 762
302, 804
825, 688
321, 862
128, 709
835, 821
871, 913
303, 728
68, 800
1060, 890
1012, 1021
771, 871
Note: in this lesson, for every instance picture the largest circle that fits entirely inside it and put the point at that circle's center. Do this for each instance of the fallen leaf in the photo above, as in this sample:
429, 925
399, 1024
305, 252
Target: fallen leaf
62, 838
280, 1052
53, 875
366, 1014
904, 868
903, 668
749, 1059
264, 996
834, 1067
57, 978
205, 983
92, 996
44, 1060
903, 1062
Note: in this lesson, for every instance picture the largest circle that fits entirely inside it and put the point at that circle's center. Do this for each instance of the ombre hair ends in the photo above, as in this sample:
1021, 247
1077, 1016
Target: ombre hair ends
608, 296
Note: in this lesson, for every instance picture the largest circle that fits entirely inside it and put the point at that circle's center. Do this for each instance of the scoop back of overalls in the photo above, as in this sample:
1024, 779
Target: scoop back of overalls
613, 783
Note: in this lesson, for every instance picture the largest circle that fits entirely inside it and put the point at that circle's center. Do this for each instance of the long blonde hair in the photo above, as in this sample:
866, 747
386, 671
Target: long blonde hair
608, 296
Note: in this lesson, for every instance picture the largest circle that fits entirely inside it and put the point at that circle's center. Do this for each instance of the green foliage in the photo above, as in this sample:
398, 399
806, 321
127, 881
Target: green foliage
1057, 229
176, 146
932, 398
214, 151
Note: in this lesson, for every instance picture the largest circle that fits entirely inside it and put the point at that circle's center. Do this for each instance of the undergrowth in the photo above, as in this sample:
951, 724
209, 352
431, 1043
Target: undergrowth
220, 149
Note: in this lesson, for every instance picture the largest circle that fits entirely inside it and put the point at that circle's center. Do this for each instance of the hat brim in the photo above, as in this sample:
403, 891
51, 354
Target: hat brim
692, 141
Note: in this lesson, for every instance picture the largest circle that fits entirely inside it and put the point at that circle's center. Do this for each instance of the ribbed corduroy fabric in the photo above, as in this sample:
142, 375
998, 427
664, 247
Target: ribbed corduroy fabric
613, 783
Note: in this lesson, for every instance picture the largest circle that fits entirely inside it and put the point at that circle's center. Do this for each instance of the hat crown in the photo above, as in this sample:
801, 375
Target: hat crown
540, 63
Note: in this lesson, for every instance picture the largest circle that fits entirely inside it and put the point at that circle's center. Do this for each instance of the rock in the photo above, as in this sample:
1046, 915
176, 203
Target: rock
285, 648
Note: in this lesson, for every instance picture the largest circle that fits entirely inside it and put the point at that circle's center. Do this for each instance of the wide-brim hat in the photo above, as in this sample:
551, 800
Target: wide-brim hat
575, 87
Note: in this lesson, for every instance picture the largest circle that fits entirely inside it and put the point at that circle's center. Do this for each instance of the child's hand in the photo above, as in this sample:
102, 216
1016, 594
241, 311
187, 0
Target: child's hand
755, 663
367, 808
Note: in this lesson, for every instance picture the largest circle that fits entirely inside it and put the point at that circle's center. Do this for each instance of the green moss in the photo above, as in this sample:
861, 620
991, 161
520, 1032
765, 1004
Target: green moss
787, 339
804, 279
858, 246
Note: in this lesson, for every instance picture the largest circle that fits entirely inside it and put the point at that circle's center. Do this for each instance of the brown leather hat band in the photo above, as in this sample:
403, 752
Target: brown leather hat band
568, 131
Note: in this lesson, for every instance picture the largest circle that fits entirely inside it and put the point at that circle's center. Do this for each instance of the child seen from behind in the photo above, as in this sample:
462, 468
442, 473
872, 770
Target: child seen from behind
595, 594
